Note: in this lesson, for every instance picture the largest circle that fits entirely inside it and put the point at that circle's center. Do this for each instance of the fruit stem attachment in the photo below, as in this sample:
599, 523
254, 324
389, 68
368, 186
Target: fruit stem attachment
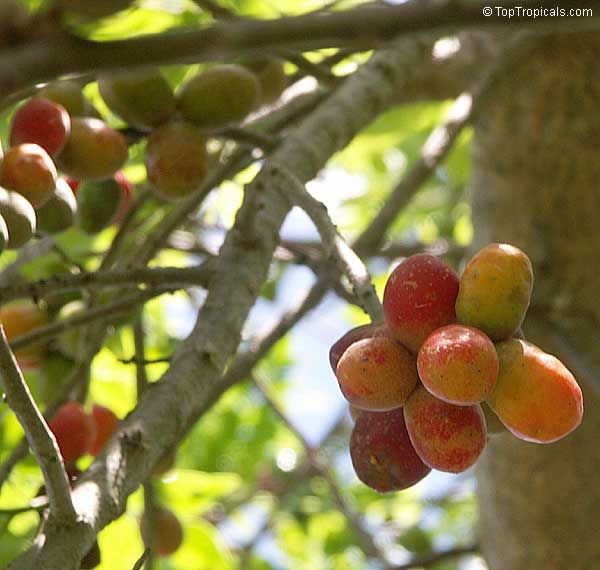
335, 245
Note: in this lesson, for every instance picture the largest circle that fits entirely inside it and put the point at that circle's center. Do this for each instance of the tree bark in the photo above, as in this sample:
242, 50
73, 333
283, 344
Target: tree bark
536, 177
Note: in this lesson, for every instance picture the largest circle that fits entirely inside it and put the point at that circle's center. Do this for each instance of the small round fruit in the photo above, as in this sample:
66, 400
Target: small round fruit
106, 423
377, 374
43, 122
97, 204
357, 333
419, 297
382, 454
94, 150
141, 97
67, 93
19, 318
176, 159
29, 170
458, 364
446, 437
168, 532
536, 397
19, 216
58, 213
495, 290
220, 95
271, 75
74, 431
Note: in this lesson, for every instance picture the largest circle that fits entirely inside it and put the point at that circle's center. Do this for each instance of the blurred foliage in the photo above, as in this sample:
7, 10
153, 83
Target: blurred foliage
231, 461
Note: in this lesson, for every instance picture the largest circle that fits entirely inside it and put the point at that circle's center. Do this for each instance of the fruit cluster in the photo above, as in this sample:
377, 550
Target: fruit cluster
78, 432
450, 354
63, 165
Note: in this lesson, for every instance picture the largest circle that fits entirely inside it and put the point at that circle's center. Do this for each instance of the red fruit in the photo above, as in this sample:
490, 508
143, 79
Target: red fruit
168, 532
358, 333
377, 374
106, 423
446, 437
74, 431
127, 189
29, 170
42, 122
458, 364
419, 297
382, 453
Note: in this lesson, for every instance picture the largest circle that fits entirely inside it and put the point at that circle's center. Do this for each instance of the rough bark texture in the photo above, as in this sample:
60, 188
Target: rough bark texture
536, 184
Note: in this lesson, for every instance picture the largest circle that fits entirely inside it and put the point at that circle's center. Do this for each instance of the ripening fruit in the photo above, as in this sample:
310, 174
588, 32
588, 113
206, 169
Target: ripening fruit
19, 216
446, 437
382, 453
106, 423
168, 532
271, 75
98, 204
218, 96
141, 97
176, 159
495, 290
43, 122
357, 333
458, 364
377, 374
19, 318
419, 297
94, 150
29, 170
74, 431
67, 93
536, 397
58, 213
92, 9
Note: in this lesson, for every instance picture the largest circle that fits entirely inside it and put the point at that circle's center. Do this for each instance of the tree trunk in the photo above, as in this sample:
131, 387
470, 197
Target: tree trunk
536, 184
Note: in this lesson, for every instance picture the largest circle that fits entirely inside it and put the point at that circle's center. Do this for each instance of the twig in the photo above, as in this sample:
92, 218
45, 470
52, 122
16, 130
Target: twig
324, 469
38, 435
437, 146
344, 257
138, 565
86, 316
161, 276
431, 559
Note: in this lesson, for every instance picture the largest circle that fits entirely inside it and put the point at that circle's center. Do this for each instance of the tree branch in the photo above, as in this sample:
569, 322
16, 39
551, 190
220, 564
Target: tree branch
38, 435
195, 374
366, 27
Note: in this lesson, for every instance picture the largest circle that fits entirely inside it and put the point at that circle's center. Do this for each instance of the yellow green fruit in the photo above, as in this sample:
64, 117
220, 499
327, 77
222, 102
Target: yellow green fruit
98, 204
535, 397
271, 75
220, 95
67, 93
58, 213
141, 97
495, 290
19, 216
176, 159
94, 150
